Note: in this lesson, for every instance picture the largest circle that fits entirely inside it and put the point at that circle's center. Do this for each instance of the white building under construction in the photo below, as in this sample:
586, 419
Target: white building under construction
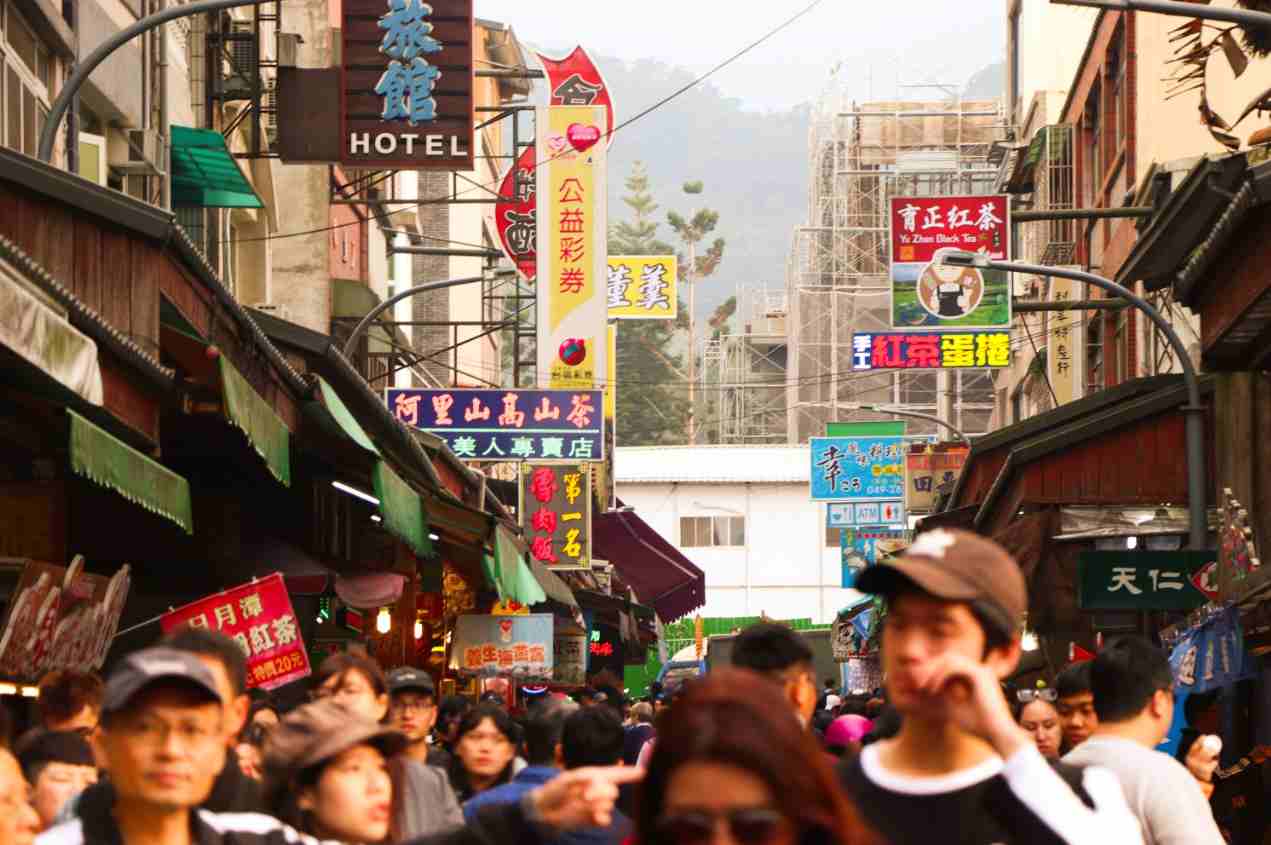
838, 281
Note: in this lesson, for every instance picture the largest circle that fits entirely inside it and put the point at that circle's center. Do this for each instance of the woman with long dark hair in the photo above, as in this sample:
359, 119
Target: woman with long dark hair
731, 753
485, 749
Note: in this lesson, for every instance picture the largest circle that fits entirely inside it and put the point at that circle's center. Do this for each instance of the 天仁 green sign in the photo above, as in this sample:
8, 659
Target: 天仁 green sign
1141, 580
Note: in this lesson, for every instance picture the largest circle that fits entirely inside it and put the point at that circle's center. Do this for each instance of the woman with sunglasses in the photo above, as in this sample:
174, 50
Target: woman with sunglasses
733, 764
1035, 712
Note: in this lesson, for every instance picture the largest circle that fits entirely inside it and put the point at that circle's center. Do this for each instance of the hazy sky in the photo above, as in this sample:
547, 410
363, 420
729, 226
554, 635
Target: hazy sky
878, 44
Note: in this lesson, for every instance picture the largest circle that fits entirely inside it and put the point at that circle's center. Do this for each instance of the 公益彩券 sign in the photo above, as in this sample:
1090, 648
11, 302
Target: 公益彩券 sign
507, 425
257, 616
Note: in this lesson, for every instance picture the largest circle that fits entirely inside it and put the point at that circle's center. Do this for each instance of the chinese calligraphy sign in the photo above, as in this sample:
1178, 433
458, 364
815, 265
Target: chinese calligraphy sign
516, 215
571, 246
930, 472
931, 350
521, 646
1065, 345
858, 469
406, 83
507, 425
926, 293
1140, 580
576, 81
555, 509
258, 616
642, 287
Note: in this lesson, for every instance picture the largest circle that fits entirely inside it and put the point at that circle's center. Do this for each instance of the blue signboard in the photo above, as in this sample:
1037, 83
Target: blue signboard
1212, 655
852, 514
858, 469
862, 547
507, 425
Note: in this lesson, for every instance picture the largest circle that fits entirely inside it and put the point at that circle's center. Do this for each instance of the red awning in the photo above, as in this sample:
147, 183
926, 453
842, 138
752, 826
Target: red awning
661, 575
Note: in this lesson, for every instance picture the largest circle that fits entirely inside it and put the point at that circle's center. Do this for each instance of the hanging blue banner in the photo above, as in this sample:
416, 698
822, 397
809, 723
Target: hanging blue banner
862, 547
1211, 656
858, 469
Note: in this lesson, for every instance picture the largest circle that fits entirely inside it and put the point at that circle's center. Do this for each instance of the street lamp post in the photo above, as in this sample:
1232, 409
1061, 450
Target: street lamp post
1198, 527
1244, 17
365, 323
884, 409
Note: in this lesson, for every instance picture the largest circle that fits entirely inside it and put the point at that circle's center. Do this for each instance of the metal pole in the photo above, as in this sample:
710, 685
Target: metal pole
883, 409
89, 63
446, 251
1031, 215
366, 321
1197, 498
1174, 7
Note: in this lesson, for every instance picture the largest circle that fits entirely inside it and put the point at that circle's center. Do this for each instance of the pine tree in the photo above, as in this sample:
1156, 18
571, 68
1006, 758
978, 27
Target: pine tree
652, 403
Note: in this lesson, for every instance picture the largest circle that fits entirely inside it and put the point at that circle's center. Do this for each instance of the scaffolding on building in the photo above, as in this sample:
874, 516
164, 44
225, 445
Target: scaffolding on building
838, 279
745, 371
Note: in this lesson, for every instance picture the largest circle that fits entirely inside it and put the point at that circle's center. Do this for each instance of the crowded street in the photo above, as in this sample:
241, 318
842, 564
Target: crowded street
473, 422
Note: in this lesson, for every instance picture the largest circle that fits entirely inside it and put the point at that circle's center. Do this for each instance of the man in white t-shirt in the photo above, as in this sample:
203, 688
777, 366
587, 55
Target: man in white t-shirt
1134, 699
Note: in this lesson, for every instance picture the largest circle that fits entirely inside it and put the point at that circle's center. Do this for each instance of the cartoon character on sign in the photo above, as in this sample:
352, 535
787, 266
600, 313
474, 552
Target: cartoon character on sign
950, 292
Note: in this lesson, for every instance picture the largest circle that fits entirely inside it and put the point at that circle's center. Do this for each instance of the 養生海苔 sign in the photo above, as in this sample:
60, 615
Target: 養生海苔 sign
1141, 580
927, 293
406, 84
507, 425
930, 350
503, 645
257, 616
858, 469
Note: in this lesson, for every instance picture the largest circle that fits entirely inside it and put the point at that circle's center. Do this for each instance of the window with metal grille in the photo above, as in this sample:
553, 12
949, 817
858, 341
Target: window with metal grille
703, 531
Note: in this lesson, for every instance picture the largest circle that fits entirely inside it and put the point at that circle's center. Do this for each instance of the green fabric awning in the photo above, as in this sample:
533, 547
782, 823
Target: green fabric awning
402, 509
108, 461
344, 417
248, 411
509, 572
205, 175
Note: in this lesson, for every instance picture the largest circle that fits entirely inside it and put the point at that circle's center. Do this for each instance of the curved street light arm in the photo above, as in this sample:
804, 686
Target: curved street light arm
1194, 411
884, 409
89, 63
366, 321
1244, 17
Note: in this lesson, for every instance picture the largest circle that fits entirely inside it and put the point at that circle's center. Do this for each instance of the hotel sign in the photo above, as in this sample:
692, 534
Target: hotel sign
406, 84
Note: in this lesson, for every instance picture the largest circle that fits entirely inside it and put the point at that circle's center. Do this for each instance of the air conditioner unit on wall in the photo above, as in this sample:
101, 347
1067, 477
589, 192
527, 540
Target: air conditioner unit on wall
146, 153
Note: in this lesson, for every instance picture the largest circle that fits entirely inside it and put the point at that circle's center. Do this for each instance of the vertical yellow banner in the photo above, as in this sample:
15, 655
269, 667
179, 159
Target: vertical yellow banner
1065, 345
572, 249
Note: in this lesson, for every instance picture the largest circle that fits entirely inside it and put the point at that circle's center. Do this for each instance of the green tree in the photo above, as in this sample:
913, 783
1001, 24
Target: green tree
691, 232
651, 403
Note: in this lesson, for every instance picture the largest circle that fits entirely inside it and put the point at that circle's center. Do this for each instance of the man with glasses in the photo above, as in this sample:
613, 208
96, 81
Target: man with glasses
1134, 699
412, 709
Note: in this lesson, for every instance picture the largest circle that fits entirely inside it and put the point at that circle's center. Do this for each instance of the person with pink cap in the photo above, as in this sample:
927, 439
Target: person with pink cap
843, 736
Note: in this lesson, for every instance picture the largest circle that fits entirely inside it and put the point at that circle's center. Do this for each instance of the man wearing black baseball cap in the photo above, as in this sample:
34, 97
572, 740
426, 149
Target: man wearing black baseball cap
412, 709
955, 605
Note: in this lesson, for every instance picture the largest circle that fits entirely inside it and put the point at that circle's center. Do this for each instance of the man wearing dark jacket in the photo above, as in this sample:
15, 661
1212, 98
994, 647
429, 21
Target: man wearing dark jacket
163, 726
593, 736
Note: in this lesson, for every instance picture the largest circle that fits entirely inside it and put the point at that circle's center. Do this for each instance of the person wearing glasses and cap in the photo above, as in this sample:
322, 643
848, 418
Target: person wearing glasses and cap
1035, 711
960, 765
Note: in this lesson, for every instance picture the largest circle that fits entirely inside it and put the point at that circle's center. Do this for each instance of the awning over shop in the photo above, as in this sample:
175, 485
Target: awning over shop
343, 417
508, 572
660, 574
555, 587
402, 509
36, 329
205, 174
248, 411
110, 462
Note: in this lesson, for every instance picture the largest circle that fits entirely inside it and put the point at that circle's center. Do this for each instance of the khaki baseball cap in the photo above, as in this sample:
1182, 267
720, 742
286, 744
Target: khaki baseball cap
314, 733
958, 566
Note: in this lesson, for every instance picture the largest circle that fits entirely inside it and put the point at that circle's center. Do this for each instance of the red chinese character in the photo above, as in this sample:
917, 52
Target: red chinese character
511, 416
543, 484
571, 221
472, 658
541, 548
572, 280
521, 652
441, 409
543, 520
923, 351
506, 658
572, 250
571, 191
888, 351
489, 654
476, 411
580, 414
538, 654
546, 411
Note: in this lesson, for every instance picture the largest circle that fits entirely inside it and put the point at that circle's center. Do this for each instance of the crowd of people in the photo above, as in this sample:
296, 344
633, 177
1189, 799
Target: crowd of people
173, 749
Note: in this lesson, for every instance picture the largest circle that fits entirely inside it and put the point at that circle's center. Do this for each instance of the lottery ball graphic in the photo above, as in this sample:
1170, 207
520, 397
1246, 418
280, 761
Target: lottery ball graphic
573, 351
